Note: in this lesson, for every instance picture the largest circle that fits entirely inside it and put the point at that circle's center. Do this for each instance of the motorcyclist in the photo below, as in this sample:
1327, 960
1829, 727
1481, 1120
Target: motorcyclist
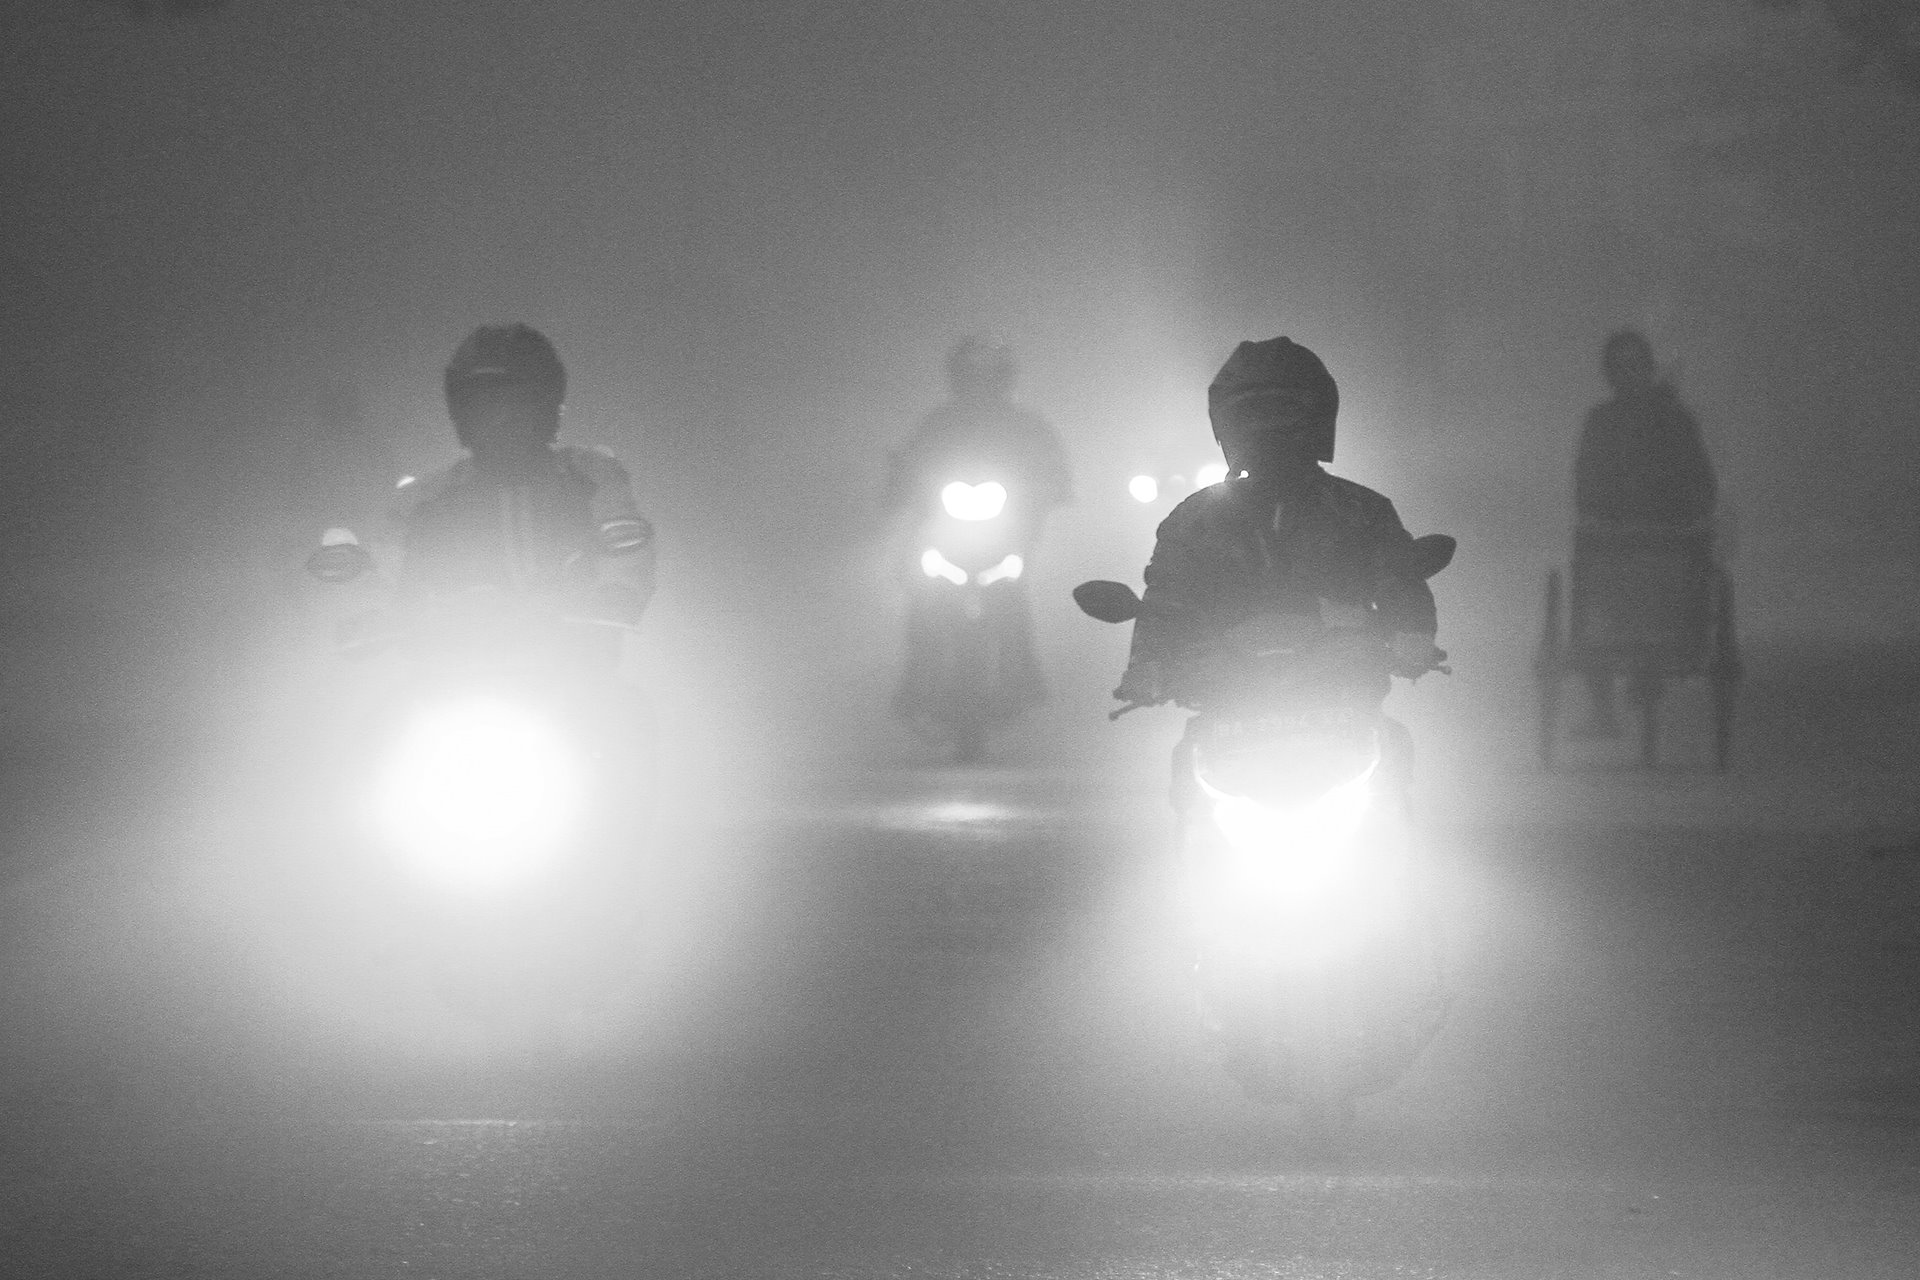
1641, 463
1278, 603
980, 428
980, 433
522, 517
1278, 551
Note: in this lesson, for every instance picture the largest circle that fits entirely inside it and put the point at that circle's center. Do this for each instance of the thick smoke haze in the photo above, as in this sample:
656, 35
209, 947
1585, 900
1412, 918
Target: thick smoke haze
753, 229
808, 993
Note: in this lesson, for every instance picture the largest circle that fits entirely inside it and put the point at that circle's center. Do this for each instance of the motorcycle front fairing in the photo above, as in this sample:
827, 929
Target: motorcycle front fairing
977, 537
1303, 886
969, 645
487, 793
500, 751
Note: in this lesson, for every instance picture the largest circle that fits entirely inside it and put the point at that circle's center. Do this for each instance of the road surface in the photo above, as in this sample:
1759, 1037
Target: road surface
920, 1022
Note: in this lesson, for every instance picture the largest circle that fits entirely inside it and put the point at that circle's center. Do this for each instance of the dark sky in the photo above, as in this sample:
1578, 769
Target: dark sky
753, 229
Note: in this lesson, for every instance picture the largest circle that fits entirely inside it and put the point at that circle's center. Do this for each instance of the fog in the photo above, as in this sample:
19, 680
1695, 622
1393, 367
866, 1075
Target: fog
241, 241
753, 230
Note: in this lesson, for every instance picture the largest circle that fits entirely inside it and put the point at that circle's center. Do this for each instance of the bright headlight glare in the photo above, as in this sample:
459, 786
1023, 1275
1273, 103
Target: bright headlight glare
479, 792
965, 501
1143, 488
935, 565
1210, 473
1321, 825
1008, 570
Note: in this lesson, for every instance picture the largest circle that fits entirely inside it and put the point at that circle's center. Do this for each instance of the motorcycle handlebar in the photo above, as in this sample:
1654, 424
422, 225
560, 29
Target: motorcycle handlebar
370, 634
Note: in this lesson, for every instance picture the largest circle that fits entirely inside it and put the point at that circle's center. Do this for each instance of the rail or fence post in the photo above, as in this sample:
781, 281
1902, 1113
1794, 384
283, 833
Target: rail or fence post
1547, 668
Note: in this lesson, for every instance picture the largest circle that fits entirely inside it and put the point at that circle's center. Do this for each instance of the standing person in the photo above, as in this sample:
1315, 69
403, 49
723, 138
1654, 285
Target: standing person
978, 442
1641, 463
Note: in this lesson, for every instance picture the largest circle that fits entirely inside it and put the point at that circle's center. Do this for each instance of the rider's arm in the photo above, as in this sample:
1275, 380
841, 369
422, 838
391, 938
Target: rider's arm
903, 494
1187, 574
626, 567
1693, 480
1402, 601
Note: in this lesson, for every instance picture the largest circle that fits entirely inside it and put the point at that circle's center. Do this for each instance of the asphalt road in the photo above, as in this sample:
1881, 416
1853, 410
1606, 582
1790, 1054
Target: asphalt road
926, 1022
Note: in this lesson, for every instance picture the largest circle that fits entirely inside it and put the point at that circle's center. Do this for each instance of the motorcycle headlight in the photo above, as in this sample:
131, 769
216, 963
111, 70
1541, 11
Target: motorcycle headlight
1306, 882
1143, 488
1324, 823
478, 792
965, 501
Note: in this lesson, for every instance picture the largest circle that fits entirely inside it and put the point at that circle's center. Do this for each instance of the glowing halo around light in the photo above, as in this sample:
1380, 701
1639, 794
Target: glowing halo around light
1143, 488
479, 792
1211, 473
935, 565
1008, 570
965, 501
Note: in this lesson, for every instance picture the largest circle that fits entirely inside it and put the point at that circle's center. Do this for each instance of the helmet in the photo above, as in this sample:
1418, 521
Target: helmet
503, 355
1265, 371
982, 365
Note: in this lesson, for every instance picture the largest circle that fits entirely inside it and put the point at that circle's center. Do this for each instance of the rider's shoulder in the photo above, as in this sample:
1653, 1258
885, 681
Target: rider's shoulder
1201, 509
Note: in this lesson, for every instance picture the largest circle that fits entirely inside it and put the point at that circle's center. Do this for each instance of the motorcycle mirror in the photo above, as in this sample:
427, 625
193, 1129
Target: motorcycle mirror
1433, 553
340, 557
1107, 601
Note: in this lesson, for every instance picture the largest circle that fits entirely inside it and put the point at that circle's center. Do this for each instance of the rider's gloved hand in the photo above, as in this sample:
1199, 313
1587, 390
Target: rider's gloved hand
1413, 654
1142, 685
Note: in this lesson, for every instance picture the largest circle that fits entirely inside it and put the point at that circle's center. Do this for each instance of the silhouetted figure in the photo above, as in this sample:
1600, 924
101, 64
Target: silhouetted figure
1641, 464
1279, 548
979, 437
521, 516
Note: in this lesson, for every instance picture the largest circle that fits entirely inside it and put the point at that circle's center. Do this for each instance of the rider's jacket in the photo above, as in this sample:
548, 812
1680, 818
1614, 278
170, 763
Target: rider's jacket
975, 441
540, 535
1331, 553
1641, 461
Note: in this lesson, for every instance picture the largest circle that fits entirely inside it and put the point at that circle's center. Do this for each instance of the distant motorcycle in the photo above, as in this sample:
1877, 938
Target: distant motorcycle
970, 663
1318, 965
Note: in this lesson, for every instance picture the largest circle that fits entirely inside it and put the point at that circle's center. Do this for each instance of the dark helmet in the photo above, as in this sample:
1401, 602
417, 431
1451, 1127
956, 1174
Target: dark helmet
497, 355
1268, 371
982, 365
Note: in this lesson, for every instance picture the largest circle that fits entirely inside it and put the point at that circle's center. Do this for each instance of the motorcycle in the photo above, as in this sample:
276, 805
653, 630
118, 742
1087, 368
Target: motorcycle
1318, 977
970, 663
499, 785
